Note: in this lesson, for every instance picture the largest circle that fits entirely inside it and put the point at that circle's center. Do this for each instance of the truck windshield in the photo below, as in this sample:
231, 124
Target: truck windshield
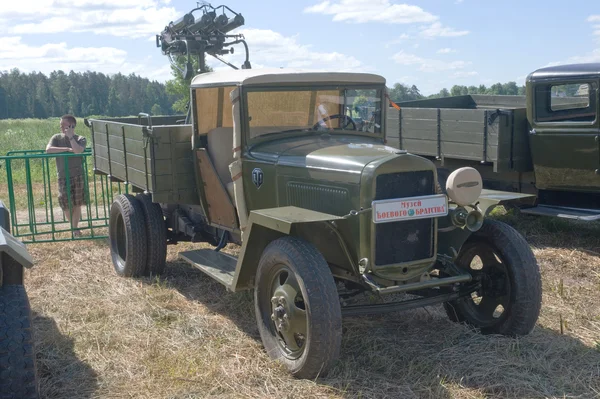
311, 109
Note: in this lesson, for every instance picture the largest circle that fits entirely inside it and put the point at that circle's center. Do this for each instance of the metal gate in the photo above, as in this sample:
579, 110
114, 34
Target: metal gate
30, 183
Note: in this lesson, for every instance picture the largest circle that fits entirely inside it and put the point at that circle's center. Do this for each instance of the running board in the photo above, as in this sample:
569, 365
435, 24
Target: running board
588, 215
218, 265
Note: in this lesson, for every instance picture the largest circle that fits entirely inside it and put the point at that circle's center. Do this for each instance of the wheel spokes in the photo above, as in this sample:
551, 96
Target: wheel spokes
488, 306
288, 312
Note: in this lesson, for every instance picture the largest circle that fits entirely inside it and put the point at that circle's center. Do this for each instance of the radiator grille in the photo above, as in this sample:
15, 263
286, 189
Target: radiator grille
317, 198
404, 241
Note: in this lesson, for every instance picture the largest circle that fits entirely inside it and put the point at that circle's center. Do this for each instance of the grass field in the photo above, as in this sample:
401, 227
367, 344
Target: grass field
184, 336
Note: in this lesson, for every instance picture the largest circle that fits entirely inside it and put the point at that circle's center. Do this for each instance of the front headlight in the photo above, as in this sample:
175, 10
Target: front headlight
464, 186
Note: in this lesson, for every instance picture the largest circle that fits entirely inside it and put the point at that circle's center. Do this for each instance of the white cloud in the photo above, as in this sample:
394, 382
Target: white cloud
446, 50
58, 56
272, 49
458, 1
438, 30
129, 18
594, 18
464, 74
593, 56
427, 64
402, 38
362, 11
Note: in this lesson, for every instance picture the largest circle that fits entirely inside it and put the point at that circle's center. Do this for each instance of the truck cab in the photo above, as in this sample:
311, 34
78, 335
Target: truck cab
564, 134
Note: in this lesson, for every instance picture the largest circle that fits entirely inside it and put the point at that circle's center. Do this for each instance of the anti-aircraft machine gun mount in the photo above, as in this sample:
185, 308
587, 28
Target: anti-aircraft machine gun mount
202, 34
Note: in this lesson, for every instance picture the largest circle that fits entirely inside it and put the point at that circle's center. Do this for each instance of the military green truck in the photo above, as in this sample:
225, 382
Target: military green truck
323, 212
545, 143
18, 374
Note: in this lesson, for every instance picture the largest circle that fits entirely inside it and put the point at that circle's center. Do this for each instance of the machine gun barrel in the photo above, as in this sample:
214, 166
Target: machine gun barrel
206, 34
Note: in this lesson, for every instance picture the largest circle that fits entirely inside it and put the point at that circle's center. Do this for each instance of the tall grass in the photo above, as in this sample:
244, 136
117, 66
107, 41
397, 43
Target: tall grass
35, 190
33, 134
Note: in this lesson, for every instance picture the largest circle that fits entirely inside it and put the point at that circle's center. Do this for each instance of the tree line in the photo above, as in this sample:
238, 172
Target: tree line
400, 92
35, 95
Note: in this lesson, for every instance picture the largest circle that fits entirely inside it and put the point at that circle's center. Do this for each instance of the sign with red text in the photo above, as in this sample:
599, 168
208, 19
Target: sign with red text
396, 209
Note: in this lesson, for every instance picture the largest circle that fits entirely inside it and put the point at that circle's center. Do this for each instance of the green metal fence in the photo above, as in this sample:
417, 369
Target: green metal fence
30, 182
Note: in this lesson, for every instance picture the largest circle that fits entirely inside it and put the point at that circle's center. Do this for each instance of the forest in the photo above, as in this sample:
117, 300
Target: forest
35, 95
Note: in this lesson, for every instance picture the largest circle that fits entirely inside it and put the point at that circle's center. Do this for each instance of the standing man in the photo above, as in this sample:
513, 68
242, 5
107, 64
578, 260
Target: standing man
68, 141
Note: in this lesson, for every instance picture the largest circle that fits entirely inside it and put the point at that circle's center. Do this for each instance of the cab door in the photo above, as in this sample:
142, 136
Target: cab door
564, 138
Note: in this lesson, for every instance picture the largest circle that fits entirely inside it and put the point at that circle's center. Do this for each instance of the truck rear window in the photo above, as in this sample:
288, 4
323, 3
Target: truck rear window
575, 102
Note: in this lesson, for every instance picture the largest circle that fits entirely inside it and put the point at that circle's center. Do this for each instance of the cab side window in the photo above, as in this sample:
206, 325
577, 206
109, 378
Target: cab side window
574, 102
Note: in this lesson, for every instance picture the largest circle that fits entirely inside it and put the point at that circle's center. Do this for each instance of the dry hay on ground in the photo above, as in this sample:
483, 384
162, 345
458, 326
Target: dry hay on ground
184, 335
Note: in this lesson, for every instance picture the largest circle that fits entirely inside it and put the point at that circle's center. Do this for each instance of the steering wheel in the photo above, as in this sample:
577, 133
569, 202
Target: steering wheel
344, 124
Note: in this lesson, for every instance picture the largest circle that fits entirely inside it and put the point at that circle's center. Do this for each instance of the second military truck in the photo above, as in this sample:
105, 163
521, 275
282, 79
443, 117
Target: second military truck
545, 143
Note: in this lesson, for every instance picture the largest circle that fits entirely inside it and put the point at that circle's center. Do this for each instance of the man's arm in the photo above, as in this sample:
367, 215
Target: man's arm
52, 148
78, 145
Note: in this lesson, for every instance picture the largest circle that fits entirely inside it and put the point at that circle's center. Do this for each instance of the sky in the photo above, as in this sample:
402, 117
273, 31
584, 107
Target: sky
431, 44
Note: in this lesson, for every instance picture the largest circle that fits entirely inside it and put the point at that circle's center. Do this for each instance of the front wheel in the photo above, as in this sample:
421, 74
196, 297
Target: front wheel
510, 296
297, 307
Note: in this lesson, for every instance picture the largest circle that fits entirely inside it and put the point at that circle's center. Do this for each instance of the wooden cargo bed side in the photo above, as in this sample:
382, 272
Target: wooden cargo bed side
157, 160
174, 165
489, 136
441, 133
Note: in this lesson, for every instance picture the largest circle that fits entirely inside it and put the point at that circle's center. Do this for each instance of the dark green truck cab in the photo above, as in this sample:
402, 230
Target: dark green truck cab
544, 143
324, 212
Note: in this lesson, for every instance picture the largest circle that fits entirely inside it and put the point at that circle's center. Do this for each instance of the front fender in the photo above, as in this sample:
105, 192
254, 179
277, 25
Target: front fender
265, 226
451, 238
489, 199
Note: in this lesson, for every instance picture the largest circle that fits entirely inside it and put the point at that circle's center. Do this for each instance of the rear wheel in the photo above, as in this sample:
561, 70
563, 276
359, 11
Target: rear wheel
510, 296
127, 234
156, 234
297, 307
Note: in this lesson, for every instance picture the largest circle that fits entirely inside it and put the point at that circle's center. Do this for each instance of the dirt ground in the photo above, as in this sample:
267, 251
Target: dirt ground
184, 336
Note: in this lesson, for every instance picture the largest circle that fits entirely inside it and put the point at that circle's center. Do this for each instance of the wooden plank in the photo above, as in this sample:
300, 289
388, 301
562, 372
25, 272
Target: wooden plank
100, 138
419, 113
419, 129
163, 167
392, 127
169, 182
463, 115
137, 162
100, 150
468, 151
133, 132
416, 146
453, 136
220, 207
461, 126
173, 134
162, 151
134, 176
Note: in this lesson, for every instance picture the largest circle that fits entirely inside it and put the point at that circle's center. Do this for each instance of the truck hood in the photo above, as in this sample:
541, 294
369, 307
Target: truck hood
344, 154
